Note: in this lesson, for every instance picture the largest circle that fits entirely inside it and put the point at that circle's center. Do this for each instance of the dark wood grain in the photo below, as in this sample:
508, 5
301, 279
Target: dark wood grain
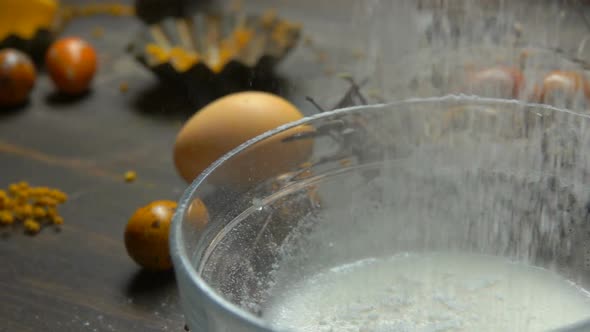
81, 279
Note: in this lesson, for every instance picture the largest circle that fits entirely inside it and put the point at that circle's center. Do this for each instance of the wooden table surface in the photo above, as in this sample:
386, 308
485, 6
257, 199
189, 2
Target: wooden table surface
81, 279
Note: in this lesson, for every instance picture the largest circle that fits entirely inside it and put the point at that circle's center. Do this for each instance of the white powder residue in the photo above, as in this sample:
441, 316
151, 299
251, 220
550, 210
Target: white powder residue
428, 293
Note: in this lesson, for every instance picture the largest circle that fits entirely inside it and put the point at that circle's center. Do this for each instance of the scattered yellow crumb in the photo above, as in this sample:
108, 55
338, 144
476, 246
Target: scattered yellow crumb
58, 195
39, 212
32, 226
51, 213
32, 207
130, 176
8, 204
97, 32
124, 87
6, 218
13, 188
268, 18
24, 211
46, 201
58, 220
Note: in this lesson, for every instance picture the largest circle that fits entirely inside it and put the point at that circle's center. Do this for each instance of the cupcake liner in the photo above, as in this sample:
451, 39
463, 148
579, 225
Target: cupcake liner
216, 54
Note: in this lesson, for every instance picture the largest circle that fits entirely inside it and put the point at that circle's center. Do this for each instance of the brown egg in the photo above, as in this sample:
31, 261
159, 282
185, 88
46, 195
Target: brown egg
232, 120
146, 235
499, 82
561, 84
17, 77
71, 63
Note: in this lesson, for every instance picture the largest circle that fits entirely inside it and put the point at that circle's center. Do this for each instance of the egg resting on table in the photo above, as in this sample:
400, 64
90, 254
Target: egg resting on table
232, 120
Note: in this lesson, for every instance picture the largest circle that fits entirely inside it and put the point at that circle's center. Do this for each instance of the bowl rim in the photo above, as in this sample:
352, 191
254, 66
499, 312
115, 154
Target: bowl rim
180, 258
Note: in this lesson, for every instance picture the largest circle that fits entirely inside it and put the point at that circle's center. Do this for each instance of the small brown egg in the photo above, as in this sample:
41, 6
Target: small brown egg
499, 82
232, 120
71, 63
562, 86
17, 77
146, 235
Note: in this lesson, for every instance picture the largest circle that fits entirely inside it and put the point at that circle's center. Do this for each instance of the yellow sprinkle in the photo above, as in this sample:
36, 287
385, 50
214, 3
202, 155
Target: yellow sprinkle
22, 193
33, 206
46, 201
33, 192
124, 87
8, 204
31, 226
6, 218
20, 212
13, 188
57, 195
26, 210
61, 197
39, 212
57, 220
130, 176
20, 199
51, 212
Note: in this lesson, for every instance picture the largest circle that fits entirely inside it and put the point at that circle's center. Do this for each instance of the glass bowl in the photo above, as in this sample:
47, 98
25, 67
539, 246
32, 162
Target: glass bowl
455, 173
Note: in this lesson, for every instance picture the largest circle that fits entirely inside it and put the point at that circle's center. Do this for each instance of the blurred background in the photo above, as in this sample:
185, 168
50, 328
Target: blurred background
156, 63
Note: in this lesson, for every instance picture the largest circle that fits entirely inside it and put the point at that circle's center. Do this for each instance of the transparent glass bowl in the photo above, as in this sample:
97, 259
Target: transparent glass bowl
460, 173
